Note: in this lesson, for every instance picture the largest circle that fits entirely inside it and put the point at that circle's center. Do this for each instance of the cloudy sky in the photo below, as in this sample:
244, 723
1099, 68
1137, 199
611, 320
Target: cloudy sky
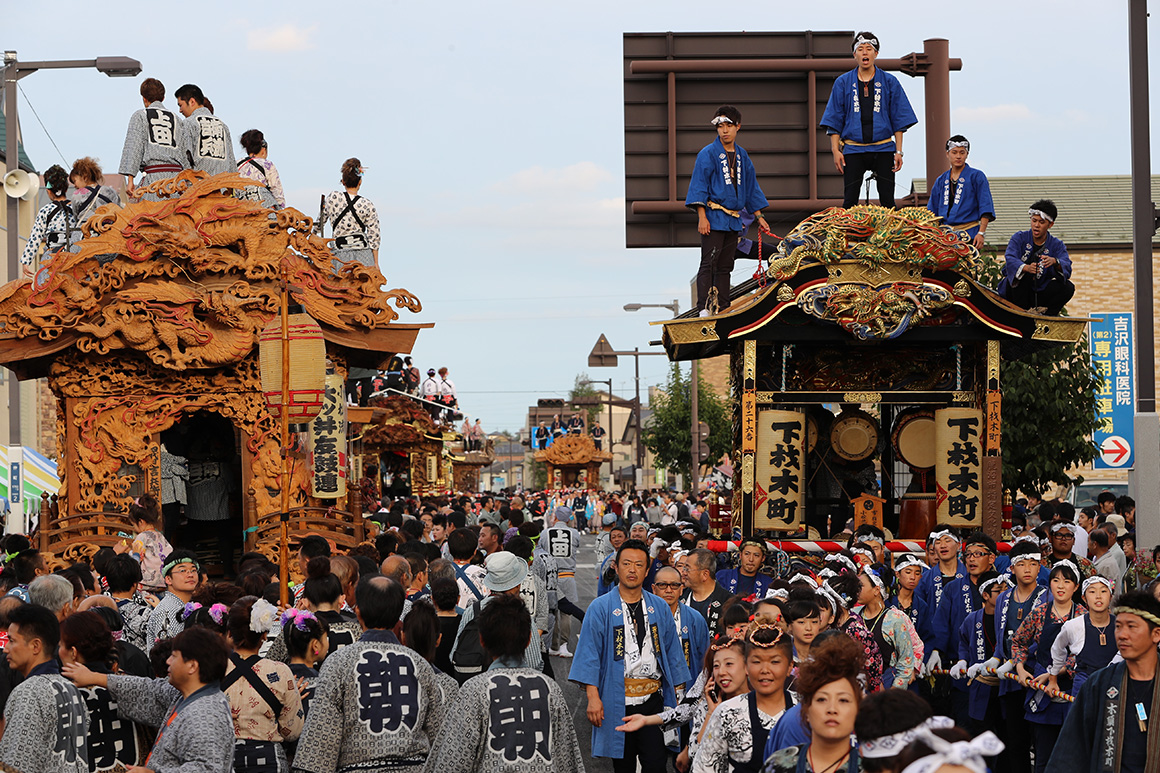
493, 138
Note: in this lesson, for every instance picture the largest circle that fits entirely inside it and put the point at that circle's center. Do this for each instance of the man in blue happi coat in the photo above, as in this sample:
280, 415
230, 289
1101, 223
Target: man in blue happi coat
629, 655
723, 184
1038, 270
961, 196
865, 117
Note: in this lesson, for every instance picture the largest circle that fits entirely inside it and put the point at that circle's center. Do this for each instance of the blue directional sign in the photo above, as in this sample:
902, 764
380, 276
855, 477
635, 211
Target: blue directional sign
1114, 361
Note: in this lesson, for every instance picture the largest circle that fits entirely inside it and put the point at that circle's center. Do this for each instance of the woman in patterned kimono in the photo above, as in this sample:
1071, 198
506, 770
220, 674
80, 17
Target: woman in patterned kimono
263, 694
113, 743
354, 219
54, 222
149, 547
734, 737
267, 189
897, 641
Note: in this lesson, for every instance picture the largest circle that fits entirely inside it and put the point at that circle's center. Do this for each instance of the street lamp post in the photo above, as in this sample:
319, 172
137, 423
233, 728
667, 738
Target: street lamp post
14, 70
603, 356
694, 462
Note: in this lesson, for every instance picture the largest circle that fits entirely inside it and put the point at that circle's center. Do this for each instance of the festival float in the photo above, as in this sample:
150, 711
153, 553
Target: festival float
148, 334
880, 313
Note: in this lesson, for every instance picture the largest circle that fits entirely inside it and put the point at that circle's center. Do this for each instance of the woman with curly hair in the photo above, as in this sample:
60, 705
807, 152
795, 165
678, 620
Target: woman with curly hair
91, 194
829, 685
263, 694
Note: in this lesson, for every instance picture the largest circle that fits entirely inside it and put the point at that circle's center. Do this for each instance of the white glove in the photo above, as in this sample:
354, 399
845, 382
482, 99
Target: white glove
974, 670
1006, 668
933, 662
959, 670
989, 664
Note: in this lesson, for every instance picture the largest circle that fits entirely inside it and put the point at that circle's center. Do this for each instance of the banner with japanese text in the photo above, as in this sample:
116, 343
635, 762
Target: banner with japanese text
327, 443
958, 466
1110, 339
779, 471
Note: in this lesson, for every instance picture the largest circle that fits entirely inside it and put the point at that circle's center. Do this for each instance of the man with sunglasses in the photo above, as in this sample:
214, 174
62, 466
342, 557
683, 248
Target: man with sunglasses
692, 629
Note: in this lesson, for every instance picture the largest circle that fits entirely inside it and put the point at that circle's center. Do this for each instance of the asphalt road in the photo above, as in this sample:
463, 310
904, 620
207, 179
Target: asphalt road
577, 702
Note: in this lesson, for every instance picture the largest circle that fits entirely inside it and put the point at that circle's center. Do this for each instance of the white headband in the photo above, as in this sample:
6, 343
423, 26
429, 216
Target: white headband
1094, 579
968, 754
864, 553
935, 536
841, 559
892, 745
1062, 525
836, 600
803, 578
1041, 213
823, 574
676, 556
864, 39
722, 119
1026, 557
1028, 537
957, 144
909, 559
777, 593
1003, 578
874, 578
1074, 569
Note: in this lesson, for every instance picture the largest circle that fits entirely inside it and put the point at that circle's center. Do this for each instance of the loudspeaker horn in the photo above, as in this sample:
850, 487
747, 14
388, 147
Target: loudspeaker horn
19, 184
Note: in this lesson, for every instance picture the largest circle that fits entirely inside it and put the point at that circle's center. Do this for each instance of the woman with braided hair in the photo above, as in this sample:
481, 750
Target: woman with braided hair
735, 735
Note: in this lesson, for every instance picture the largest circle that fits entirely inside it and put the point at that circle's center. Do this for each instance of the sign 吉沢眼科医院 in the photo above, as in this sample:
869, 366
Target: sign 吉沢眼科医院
1110, 339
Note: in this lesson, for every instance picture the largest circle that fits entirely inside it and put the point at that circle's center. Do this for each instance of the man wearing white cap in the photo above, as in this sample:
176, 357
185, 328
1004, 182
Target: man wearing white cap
562, 543
505, 573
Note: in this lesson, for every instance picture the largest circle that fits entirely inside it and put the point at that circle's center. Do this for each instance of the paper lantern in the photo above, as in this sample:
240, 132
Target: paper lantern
307, 367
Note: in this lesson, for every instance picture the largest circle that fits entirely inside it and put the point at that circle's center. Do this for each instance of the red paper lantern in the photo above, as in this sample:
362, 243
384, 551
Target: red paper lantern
307, 367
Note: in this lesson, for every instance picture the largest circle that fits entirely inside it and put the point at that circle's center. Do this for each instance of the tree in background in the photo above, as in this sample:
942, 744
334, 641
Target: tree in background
587, 392
669, 432
1049, 408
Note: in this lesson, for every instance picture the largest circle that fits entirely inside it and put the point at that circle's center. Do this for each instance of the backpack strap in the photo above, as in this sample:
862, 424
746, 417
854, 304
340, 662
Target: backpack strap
261, 171
244, 669
461, 573
350, 208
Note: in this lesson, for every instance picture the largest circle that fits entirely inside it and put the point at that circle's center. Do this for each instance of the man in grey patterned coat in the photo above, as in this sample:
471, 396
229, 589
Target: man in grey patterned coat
509, 719
45, 721
195, 731
152, 142
376, 703
205, 138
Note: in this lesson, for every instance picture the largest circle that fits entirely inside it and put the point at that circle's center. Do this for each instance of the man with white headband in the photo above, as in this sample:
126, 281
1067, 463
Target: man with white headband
1062, 536
1038, 270
724, 182
961, 196
865, 117
747, 579
1113, 724
976, 641
930, 588
1011, 608
959, 600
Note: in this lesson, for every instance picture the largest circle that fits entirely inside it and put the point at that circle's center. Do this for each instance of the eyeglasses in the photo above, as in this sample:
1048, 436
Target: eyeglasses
183, 570
668, 585
977, 554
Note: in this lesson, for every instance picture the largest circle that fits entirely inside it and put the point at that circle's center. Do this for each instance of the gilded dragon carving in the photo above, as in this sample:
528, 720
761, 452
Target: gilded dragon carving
156, 314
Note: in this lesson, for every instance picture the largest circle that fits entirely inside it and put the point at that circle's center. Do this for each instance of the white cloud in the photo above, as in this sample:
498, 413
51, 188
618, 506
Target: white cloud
992, 114
584, 176
282, 39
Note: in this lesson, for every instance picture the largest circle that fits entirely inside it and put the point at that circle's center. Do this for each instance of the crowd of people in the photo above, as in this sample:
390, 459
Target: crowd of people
435, 645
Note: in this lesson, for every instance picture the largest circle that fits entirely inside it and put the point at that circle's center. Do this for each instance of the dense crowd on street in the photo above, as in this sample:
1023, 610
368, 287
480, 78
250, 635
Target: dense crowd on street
435, 645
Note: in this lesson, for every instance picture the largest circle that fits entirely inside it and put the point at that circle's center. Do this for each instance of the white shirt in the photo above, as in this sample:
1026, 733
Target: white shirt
1070, 641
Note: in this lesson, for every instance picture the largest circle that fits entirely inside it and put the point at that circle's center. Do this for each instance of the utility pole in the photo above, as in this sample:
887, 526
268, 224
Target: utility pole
1145, 476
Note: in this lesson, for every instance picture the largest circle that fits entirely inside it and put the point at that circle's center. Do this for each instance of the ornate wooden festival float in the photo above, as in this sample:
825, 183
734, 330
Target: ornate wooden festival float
573, 461
148, 334
869, 349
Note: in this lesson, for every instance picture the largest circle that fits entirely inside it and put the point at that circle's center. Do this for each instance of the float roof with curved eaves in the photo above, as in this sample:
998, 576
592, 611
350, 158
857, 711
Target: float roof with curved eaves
188, 282
874, 275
